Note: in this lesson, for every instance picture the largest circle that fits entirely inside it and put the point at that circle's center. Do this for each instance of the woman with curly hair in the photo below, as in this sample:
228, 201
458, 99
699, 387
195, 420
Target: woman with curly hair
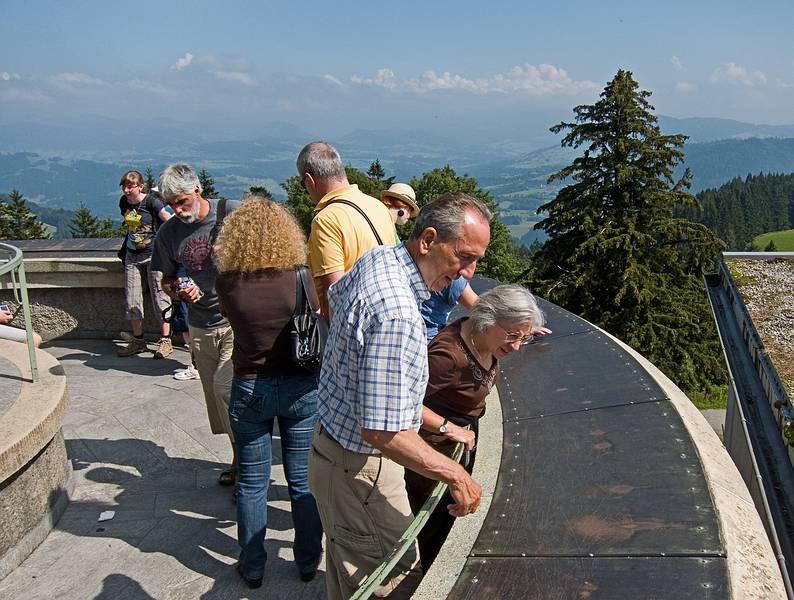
259, 250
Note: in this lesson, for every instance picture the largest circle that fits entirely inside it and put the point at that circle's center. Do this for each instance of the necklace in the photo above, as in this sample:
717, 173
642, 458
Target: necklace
480, 374
477, 352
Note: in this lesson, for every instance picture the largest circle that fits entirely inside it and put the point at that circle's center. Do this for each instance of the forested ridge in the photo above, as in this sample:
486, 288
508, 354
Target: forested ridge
742, 209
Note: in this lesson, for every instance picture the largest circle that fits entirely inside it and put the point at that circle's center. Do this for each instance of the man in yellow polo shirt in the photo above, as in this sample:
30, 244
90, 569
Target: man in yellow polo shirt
347, 222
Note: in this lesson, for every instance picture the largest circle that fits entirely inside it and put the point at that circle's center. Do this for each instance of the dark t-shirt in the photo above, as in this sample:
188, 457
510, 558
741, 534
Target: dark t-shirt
458, 384
190, 244
259, 306
141, 221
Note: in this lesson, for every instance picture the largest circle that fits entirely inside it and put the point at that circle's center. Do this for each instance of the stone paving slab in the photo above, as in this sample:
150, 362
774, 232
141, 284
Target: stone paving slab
10, 384
140, 445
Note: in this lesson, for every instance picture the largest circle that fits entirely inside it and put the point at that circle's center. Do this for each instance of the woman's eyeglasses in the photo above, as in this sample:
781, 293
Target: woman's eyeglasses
515, 336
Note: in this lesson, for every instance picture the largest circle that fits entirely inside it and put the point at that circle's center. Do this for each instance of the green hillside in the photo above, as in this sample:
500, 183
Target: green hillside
783, 240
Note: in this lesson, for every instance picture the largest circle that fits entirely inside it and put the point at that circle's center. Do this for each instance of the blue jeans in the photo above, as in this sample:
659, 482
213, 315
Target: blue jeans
254, 406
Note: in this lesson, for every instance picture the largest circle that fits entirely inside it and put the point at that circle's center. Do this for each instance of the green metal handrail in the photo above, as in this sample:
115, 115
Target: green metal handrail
375, 579
15, 265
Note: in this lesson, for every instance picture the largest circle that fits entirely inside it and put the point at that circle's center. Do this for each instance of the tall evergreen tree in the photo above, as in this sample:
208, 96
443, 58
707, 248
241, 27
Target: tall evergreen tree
616, 254
207, 184
17, 222
148, 178
84, 224
375, 170
260, 190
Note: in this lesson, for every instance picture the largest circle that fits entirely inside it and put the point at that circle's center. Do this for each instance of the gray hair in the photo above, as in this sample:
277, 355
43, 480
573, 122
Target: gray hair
447, 214
178, 179
512, 303
321, 160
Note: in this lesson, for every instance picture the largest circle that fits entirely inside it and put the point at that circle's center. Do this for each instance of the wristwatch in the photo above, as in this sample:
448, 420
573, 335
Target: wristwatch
443, 427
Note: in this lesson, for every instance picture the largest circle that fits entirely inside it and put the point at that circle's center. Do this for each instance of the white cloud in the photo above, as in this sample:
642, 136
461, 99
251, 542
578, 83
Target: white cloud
677, 64
783, 85
6, 76
685, 87
737, 75
333, 80
384, 78
237, 76
538, 81
183, 62
78, 82
151, 87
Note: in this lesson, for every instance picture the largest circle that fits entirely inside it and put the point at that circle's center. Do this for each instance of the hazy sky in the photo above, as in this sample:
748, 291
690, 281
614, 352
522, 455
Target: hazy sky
337, 66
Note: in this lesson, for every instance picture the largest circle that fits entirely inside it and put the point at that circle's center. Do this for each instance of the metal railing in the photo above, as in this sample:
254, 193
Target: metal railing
16, 267
757, 410
375, 579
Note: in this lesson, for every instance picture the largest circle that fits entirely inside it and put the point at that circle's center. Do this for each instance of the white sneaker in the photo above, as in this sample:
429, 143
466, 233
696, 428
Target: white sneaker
126, 336
186, 374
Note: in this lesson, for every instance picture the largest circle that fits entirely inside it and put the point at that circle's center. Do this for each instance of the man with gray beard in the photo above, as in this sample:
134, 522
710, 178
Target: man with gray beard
188, 239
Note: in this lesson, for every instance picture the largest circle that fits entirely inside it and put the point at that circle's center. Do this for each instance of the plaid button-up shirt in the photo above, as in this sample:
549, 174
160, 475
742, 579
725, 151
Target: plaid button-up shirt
374, 371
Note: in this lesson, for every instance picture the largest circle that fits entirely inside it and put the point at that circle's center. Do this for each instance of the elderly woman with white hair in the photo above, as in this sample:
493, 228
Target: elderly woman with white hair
463, 362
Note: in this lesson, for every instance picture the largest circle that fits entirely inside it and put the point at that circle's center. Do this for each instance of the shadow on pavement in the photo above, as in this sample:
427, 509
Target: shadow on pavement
167, 505
101, 355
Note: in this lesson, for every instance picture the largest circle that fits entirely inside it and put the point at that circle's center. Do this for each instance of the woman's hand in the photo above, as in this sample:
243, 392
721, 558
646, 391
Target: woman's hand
540, 331
460, 434
5, 317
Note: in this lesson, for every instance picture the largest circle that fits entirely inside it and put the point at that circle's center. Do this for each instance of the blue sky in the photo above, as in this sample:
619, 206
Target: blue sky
335, 67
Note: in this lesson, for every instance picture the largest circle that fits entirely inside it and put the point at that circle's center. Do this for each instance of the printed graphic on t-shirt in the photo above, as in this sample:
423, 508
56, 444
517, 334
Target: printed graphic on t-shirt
140, 232
196, 253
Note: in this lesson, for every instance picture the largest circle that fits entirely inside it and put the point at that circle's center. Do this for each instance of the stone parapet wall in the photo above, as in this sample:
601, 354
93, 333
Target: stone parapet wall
76, 298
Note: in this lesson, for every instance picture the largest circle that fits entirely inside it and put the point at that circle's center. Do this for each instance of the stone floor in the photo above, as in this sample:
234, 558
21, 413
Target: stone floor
140, 445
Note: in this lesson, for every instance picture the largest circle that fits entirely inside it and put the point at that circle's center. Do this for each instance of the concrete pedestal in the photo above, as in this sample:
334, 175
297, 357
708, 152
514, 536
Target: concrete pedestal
35, 475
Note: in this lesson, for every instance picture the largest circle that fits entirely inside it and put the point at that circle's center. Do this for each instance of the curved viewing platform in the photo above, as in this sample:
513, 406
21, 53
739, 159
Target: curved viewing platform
602, 481
610, 485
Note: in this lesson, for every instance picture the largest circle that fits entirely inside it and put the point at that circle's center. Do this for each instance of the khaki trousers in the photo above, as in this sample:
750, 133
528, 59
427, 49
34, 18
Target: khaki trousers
212, 353
364, 510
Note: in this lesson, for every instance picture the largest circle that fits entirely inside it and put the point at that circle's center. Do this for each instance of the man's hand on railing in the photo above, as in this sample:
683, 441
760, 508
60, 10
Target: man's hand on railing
466, 493
408, 449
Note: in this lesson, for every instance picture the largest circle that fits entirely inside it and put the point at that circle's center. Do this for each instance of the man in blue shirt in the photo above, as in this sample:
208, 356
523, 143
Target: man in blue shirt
436, 309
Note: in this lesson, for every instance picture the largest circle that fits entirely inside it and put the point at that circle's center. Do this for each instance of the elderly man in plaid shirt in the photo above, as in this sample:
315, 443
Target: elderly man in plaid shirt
371, 388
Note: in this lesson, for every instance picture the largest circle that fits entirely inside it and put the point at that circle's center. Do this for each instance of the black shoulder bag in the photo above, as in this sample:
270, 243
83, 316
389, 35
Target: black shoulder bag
308, 329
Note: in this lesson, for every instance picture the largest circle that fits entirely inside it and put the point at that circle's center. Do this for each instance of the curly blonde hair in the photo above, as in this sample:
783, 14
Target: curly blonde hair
260, 234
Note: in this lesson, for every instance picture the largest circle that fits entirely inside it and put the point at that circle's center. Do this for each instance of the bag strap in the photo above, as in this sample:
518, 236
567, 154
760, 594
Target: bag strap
361, 212
220, 215
307, 292
302, 296
298, 310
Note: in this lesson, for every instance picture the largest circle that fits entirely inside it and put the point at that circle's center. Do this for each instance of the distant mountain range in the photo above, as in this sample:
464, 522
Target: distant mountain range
64, 165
